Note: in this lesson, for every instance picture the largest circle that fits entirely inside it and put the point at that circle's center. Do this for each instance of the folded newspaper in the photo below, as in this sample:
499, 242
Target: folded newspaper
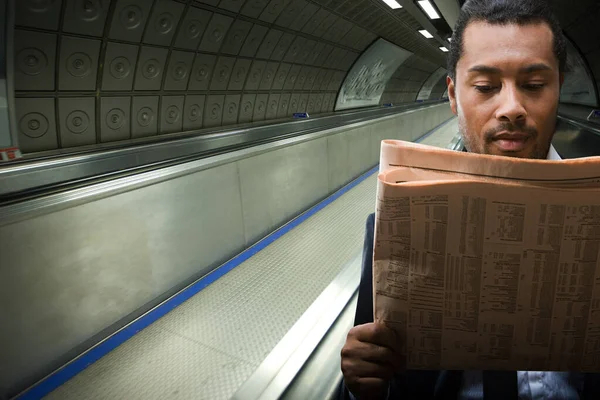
484, 262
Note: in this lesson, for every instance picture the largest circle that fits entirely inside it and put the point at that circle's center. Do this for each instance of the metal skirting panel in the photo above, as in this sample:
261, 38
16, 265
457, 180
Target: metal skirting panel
209, 346
104, 254
206, 348
443, 135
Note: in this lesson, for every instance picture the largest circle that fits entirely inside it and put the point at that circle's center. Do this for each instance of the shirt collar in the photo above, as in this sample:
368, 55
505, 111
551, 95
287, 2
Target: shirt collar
553, 155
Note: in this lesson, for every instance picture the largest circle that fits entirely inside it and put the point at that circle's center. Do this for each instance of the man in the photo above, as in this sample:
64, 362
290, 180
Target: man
506, 68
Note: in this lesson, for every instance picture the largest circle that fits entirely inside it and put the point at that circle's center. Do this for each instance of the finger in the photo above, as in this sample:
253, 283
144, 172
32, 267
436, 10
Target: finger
369, 352
378, 334
367, 369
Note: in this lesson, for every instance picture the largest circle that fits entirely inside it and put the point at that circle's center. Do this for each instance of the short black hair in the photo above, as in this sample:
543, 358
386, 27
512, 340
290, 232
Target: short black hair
503, 12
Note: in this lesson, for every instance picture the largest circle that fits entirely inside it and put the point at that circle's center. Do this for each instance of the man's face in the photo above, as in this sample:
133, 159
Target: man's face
507, 89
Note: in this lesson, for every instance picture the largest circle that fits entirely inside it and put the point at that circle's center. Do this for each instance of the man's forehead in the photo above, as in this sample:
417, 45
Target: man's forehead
507, 44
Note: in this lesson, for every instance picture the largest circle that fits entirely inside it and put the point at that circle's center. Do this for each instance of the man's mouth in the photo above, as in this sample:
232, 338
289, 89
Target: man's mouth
511, 141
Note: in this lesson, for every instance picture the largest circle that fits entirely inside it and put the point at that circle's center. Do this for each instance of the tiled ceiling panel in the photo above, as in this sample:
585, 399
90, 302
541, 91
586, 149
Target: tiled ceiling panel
89, 72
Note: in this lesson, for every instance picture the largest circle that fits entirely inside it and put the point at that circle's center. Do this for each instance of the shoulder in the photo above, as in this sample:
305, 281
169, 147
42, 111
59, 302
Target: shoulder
370, 224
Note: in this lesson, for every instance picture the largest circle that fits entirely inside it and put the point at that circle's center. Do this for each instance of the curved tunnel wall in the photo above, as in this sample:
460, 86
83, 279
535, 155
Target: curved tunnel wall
96, 71
580, 25
439, 89
406, 82
578, 86
366, 81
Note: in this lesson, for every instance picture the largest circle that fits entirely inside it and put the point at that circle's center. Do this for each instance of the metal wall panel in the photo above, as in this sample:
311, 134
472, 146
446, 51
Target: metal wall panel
85, 17
280, 76
306, 51
171, 114
314, 21
236, 37
202, 71
129, 20
314, 54
303, 102
311, 108
311, 77
239, 74
231, 109
37, 124
163, 22
294, 51
294, 105
77, 121
272, 106
247, 107
193, 26
144, 116
150, 68
179, 70
222, 73
291, 11
324, 25
253, 8
38, 14
284, 102
268, 75
213, 114
115, 123
231, 5
255, 75
78, 65
301, 79
273, 9
292, 77
253, 41
193, 112
35, 60
215, 33
260, 107
282, 46
308, 11
268, 45
119, 66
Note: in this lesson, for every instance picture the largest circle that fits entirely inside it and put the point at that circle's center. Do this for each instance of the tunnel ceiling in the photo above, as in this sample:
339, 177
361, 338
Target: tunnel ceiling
396, 26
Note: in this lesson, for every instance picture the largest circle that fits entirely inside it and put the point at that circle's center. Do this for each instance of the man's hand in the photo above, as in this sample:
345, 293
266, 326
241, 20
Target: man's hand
370, 358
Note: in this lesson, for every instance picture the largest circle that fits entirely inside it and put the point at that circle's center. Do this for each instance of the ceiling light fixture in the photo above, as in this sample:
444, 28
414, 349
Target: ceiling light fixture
426, 33
445, 50
429, 9
394, 5
450, 39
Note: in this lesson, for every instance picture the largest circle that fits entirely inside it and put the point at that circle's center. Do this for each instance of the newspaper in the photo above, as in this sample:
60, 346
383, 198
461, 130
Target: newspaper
488, 263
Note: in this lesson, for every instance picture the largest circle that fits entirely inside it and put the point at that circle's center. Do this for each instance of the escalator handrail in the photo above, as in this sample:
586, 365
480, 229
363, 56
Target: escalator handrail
37, 177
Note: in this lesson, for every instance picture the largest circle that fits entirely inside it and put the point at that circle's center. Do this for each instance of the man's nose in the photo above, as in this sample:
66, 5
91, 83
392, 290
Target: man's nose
511, 107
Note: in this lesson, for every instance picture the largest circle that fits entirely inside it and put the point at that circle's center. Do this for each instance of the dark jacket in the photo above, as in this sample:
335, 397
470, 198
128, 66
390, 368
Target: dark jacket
424, 385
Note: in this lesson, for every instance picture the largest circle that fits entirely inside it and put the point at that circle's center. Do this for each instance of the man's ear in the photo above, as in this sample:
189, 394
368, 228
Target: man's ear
451, 94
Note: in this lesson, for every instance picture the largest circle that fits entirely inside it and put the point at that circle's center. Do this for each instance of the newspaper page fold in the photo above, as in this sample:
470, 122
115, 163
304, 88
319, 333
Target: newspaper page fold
485, 262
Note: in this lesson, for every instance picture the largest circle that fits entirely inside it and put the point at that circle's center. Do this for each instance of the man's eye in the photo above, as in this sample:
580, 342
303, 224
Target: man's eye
484, 88
534, 86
